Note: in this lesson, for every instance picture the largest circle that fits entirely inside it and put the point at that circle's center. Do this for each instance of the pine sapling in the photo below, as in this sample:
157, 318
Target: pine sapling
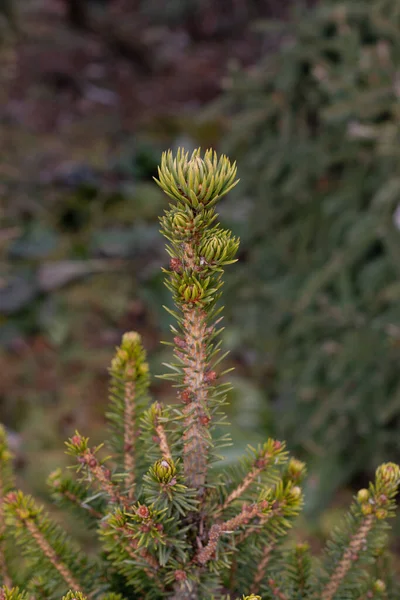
173, 521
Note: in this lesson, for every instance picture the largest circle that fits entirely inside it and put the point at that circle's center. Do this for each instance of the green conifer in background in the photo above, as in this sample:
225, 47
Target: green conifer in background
172, 520
316, 126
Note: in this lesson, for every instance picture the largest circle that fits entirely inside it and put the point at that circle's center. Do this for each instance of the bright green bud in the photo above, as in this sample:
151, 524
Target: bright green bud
155, 411
388, 476
252, 597
196, 181
296, 469
295, 492
363, 496
379, 586
130, 357
164, 470
218, 247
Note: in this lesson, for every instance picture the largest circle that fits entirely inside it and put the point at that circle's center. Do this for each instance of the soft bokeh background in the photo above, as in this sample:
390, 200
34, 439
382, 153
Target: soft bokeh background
306, 97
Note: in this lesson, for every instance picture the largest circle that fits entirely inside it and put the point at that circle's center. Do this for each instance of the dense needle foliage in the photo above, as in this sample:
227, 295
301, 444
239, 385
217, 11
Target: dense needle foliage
173, 521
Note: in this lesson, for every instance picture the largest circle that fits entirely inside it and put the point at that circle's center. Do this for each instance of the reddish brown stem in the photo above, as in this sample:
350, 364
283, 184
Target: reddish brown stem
196, 437
264, 518
131, 548
103, 478
247, 513
276, 592
129, 434
262, 567
162, 439
75, 500
351, 553
257, 469
49, 552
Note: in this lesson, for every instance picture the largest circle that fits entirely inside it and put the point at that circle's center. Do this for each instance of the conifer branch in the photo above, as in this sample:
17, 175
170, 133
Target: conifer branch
27, 516
276, 591
369, 512
130, 546
117, 527
76, 501
160, 431
265, 457
170, 525
198, 253
8, 593
358, 540
299, 569
6, 484
48, 551
78, 446
263, 564
129, 434
218, 529
5, 579
196, 437
265, 518
64, 489
128, 393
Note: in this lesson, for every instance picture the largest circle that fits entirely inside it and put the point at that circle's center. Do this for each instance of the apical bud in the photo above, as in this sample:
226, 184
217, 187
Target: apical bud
218, 247
388, 475
296, 469
130, 357
164, 470
195, 181
363, 496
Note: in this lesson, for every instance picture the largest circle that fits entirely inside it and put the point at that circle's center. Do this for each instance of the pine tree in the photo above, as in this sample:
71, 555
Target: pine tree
171, 521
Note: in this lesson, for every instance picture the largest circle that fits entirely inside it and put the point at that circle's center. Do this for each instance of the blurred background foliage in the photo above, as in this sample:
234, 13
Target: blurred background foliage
306, 99
315, 129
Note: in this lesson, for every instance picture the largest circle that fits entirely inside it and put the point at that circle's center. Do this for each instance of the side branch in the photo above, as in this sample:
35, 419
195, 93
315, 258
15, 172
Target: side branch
129, 433
78, 447
51, 555
162, 437
216, 531
102, 475
6, 482
4, 576
351, 554
276, 592
262, 566
262, 462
